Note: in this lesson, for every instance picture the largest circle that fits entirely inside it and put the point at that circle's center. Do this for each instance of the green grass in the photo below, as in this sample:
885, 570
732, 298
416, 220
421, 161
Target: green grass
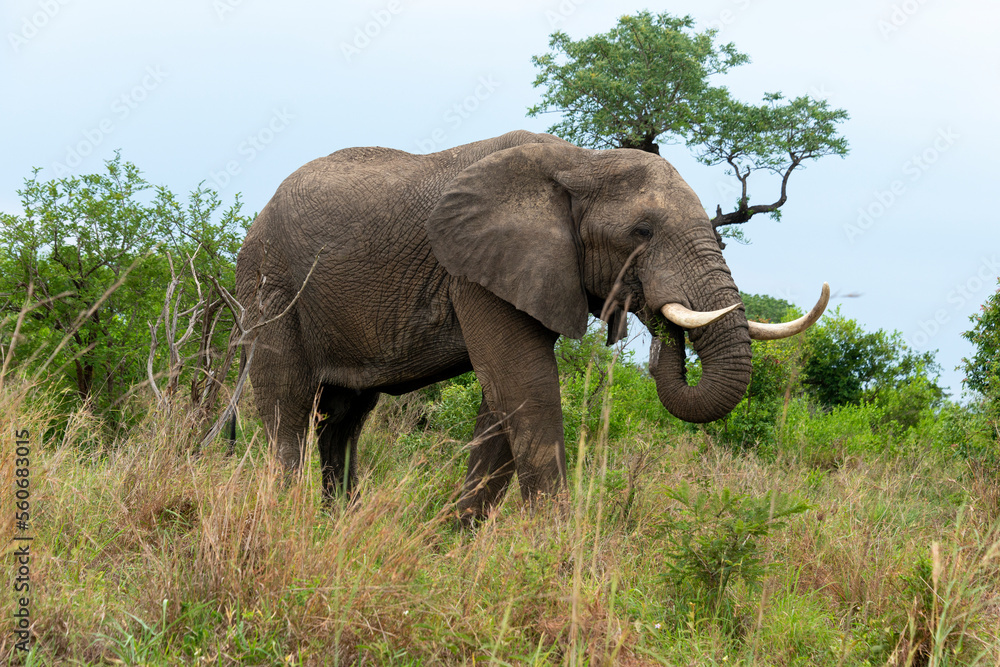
147, 552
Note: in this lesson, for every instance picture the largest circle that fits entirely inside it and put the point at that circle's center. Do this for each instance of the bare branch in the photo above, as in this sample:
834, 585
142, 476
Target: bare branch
247, 334
227, 413
149, 363
744, 212
234, 306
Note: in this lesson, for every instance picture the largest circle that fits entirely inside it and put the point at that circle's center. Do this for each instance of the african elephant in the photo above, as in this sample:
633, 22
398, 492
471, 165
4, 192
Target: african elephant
395, 271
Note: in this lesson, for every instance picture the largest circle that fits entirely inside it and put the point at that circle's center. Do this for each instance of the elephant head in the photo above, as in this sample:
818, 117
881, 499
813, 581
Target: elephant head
560, 231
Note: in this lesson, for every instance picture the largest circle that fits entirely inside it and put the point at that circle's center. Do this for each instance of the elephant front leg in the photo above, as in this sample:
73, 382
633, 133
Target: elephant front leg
491, 465
514, 359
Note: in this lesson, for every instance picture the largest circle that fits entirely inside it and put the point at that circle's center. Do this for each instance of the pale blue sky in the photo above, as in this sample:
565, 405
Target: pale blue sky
242, 92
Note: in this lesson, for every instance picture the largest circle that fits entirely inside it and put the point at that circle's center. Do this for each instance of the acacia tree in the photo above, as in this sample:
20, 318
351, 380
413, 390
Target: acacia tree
646, 81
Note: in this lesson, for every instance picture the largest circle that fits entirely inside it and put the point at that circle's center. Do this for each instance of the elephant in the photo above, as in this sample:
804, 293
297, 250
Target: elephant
378, 271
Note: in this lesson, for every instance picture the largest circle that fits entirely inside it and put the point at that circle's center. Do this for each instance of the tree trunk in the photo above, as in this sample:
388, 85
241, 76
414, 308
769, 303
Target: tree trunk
647, 144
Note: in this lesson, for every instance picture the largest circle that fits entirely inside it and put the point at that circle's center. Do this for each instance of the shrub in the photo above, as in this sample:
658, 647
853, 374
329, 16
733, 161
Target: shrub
983, 368
904, 406
967, 432
717, 536
826, 439
455, 410
95, 249
846, 364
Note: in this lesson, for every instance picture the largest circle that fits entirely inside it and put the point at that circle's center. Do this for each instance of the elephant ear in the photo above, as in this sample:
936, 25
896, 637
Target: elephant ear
506, 222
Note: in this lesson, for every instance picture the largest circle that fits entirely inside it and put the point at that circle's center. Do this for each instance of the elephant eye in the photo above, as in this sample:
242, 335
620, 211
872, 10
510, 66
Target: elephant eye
643, 232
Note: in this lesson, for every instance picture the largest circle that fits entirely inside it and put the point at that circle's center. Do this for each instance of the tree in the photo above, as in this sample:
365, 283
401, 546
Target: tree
775, 137
847, 365
645, 78
982, 371
93, 249
764, 308
647, 81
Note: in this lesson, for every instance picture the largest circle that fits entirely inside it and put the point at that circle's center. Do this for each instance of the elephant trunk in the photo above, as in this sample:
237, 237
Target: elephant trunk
724, 349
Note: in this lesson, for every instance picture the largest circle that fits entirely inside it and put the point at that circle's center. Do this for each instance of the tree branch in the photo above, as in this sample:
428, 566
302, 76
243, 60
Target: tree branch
245, 333
744, 212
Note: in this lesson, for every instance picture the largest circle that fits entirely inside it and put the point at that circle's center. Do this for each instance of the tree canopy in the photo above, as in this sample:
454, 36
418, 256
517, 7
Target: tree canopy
764, 308
982, 370
87, 264
847, 365
647, 81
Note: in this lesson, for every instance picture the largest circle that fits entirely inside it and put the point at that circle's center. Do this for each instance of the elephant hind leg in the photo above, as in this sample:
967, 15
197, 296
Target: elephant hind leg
283, 389
491, 466
343, 415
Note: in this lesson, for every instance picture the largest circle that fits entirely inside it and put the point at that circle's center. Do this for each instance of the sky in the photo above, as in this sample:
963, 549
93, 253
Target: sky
240, 93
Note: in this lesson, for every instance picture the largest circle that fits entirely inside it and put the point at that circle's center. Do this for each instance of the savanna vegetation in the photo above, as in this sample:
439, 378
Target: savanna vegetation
847, 512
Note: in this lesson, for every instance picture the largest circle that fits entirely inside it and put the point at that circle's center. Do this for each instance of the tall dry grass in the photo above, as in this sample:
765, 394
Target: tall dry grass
149, 550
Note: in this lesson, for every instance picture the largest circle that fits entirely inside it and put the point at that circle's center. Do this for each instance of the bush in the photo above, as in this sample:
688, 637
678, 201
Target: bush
575, 355
90, 259
846, 364
455, 410
635, 405
966, 432
826, 439
983, 369
717, 537
905, 406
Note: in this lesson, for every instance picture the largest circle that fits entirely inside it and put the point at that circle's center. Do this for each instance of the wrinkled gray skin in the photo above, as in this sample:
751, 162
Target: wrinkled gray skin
478, 257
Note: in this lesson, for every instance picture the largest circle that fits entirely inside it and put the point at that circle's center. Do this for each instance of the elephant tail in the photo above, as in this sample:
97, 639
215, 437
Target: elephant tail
231, 431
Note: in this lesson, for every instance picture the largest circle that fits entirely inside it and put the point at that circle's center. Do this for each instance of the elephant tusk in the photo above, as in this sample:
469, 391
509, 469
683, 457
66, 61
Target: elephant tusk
760, 331
692, 319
